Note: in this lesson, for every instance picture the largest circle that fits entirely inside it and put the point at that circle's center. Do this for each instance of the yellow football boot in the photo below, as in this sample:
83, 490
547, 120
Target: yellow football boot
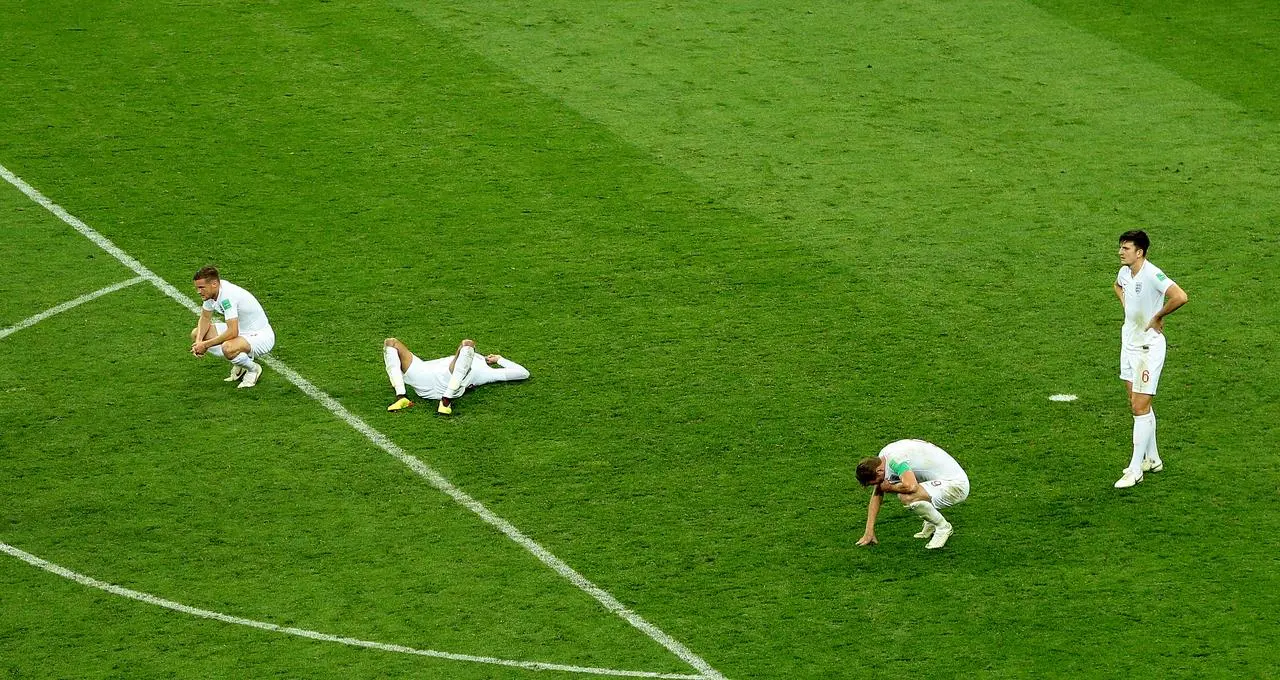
401, 404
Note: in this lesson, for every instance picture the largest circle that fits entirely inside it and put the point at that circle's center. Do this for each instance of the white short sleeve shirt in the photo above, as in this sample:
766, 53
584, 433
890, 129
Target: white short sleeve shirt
1143, 297
927, 461
234, 302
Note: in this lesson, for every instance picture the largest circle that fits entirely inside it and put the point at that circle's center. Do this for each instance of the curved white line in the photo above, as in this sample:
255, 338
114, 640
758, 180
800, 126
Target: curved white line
323, 637
602, 596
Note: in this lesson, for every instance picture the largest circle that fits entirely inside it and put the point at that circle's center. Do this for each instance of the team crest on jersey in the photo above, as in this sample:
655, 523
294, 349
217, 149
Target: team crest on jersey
1137, 288
1159, 277
226, 304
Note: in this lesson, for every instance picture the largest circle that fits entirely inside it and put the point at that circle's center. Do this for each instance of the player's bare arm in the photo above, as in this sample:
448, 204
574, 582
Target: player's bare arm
202, 329
233, 331
907, 484
873, 509
1119, 292
1175, 298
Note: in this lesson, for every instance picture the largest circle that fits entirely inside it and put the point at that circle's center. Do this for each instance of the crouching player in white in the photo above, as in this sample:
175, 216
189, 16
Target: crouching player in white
445, 378
1143, 289
245, 336
926, 479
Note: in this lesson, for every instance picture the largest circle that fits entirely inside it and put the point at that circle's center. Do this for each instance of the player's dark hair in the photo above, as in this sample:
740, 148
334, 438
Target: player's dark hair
207, 274
1139, 240
867, 468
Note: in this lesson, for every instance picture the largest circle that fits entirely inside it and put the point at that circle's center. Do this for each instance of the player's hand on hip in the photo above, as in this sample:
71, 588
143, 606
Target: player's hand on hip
1156, 325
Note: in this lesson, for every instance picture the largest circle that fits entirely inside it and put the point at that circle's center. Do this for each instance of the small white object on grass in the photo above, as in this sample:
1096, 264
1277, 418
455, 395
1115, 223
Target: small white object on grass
1062, 397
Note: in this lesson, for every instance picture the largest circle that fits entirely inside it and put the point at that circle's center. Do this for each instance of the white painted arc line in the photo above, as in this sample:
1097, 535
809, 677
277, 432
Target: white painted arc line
69, 304
324, 637
609, 602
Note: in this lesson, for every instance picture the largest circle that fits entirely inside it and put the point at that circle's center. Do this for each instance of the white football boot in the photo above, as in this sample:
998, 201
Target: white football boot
940, 536
250, 377
236, 374
1129, 479
926, 531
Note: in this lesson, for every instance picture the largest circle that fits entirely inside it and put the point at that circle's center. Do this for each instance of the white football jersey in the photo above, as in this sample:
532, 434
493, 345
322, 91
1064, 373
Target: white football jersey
1143, 297
927, 461
234, 302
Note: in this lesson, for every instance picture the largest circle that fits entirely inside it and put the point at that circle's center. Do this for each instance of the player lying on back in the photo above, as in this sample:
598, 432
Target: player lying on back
926, 479
445, 378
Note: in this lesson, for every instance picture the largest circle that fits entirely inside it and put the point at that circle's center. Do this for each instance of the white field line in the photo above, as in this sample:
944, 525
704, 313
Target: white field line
26, 323
383, 442
225, 618
99, 239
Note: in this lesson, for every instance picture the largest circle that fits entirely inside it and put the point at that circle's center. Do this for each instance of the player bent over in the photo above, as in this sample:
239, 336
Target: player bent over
1148, 296
245, 336
926, 479
445, 378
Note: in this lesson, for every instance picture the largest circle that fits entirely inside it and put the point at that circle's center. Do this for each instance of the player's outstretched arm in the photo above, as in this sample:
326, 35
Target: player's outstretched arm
873, 509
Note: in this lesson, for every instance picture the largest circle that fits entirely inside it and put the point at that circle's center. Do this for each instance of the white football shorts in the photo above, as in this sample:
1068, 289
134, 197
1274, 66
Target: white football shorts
944, 493
1142, 365
260, 342
430, 379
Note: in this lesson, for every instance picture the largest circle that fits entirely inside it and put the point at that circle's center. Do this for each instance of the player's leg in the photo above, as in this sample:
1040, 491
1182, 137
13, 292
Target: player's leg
1153, 462
1143, 427
1144, 392
239, 352
459, 370
397, 358
921, 503
1132, 369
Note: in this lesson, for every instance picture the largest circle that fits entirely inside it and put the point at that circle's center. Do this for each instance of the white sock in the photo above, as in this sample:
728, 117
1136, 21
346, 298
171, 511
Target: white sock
216, 351
244, 361
1144, 431
1153, 453
461, 369
391, 358
926, 510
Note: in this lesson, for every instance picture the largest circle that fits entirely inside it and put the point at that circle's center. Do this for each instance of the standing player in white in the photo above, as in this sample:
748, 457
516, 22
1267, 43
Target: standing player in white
246, 334
445, 378
926, 479
1148, 296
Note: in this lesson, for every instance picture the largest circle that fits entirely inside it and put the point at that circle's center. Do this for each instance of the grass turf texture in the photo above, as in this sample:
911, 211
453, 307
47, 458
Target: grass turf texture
737, 247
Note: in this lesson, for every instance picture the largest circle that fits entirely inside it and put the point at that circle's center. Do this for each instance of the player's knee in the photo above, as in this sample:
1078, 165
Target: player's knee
469, 343
390, 342
194, 331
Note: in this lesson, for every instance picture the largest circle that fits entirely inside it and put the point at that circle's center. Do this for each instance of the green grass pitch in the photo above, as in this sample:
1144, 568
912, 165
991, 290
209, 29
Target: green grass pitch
739, 245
